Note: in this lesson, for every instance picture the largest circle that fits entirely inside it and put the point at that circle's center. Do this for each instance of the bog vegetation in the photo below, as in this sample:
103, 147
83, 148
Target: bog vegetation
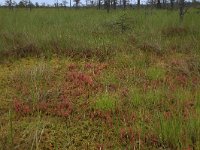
88, 79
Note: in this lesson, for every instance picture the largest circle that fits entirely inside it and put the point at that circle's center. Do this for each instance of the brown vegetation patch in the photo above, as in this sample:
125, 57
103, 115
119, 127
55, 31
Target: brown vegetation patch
188, 66
174, 31
148, 47
21, 51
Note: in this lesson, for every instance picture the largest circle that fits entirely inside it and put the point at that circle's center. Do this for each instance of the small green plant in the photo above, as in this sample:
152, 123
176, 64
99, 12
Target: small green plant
197, 99
193, 131
108, 78
170, 132
105, 102
136, 97
11, 130
156, 73
182, 95
153, 97
122, 24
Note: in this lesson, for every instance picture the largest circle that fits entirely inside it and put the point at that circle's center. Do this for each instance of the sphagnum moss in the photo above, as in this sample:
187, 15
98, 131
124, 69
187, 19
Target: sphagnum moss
97, 87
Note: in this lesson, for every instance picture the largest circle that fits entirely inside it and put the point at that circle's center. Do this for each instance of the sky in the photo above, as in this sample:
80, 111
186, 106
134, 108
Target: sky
51, 2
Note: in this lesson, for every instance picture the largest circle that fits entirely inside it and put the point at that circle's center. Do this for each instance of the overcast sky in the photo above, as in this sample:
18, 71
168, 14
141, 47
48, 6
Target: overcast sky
51, 2
54, 1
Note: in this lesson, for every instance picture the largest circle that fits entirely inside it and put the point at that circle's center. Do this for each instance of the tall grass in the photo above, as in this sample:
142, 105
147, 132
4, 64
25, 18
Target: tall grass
48, 31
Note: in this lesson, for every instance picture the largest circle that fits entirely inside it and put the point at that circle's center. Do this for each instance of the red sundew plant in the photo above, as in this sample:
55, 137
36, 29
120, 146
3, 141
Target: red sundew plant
43, 106
182, 80
86, 79
79, 82
63, 108
98, 69
105, 116
21, 108
195, 80
90, 66
187, 109
82, 81
189, 148
152, 139
26, 109
80, 78
108, 119
129, 118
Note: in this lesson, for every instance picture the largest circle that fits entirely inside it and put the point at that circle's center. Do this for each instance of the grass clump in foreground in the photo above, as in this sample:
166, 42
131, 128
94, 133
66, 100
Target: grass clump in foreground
156, 73
105, 102
76, 85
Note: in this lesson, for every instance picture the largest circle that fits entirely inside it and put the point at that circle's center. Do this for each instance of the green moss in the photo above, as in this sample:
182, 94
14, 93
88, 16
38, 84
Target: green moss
136, 97
155, 73
109, 77
153, 97
105, 102
197, 98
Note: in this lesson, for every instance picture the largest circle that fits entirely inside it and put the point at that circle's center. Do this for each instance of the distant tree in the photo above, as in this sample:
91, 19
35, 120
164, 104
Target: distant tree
56, 4
124, 4
92, 3
43, 4
181, 10
120, 2
26, 2
64, 3
114, 4
88, 2
8, 3
172, 4
14, 3
138, 3
158, 4
30, 5
77, 3
22, 4
37, 5
194, 2
107, 4
99, 4
164, 3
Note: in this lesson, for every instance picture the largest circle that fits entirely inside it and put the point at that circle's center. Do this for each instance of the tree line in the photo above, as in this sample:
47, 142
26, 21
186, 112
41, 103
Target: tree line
100, 4
182, 5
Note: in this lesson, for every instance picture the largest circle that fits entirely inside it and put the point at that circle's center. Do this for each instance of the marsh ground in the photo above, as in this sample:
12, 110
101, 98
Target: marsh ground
85, 79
